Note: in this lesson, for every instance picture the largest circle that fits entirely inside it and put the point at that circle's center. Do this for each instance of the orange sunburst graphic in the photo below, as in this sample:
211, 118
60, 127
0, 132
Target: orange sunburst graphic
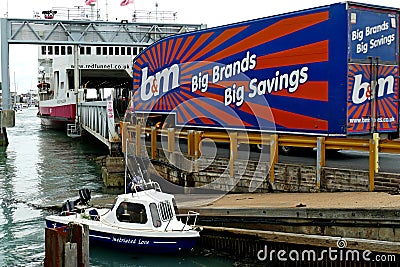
361, 109
282, 45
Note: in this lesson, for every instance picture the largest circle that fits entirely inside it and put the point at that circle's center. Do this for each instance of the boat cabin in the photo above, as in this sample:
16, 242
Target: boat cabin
147, 208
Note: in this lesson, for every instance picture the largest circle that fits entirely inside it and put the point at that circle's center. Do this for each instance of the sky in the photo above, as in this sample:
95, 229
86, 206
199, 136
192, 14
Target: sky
209, 12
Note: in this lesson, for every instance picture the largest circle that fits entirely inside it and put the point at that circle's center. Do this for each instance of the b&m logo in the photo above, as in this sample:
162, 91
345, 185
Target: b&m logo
360, 111
362, 88
160, 82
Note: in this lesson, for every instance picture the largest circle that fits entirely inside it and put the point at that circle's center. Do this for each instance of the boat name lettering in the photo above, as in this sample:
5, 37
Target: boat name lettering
61, 101
130, 241
124, 240
103, 66
143, 242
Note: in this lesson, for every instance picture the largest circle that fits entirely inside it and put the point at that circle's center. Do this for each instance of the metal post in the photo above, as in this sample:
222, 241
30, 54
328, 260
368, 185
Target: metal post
320, 158
76, 80
233, 152
171, 139
273, 157
197, 144
125, 136
197, 149
5, 71
190, 140
373, 160
138, 139
153, 142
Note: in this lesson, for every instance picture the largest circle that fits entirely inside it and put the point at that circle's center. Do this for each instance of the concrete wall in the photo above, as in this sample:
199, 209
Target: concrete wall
387, 182
252, 176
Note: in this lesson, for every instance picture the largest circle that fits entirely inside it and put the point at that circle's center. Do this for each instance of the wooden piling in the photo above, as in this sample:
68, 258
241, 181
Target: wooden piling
67, 246
3, 137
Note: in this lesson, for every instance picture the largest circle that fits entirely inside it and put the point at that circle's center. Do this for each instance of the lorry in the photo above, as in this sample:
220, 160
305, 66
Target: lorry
328, 71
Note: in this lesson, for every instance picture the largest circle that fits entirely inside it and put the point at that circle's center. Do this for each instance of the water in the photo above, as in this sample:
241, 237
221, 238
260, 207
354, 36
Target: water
42, 168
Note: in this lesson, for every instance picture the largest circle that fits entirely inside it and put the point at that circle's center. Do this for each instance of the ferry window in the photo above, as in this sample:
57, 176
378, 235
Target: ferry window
98, 50
135, 50
69, 50
44, 50
131, 213
56, 50
165, 210
105, 51
128, 51
154, 215
88, 50
62, 50
123, 51
81, 50
110, 51
116, 51
49, 50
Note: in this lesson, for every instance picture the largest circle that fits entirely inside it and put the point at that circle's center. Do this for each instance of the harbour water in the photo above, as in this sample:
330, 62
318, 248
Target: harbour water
41, 168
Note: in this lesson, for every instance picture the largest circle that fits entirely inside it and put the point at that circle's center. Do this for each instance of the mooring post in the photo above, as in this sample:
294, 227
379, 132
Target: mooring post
67, 246
85, 246
3, 137
71, 255
7, 119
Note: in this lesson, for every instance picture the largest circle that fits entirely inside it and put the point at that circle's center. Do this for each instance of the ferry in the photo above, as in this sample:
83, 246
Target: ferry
100, 68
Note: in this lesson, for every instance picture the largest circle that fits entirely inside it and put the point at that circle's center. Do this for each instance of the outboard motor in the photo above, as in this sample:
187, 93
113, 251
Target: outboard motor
84, 196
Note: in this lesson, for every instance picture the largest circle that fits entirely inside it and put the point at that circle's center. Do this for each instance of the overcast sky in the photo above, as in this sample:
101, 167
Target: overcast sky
23, 59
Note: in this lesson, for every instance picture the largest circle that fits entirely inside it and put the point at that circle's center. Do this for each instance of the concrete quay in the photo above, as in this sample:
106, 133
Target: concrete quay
365, 220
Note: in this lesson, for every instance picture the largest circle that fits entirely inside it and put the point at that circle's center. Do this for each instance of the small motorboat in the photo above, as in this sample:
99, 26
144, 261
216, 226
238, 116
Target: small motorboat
141, 221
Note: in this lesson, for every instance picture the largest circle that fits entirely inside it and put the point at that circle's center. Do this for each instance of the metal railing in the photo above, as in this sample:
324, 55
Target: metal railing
372, 145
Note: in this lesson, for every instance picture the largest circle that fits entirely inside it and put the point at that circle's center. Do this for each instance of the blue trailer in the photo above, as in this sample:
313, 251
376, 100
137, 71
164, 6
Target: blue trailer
331, 71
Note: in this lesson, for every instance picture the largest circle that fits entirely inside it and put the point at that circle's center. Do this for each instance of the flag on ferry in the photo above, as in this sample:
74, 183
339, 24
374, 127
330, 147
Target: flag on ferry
90, 2
126, 2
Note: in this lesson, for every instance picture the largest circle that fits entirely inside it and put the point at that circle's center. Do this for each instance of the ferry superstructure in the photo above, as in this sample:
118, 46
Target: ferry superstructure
99, 67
